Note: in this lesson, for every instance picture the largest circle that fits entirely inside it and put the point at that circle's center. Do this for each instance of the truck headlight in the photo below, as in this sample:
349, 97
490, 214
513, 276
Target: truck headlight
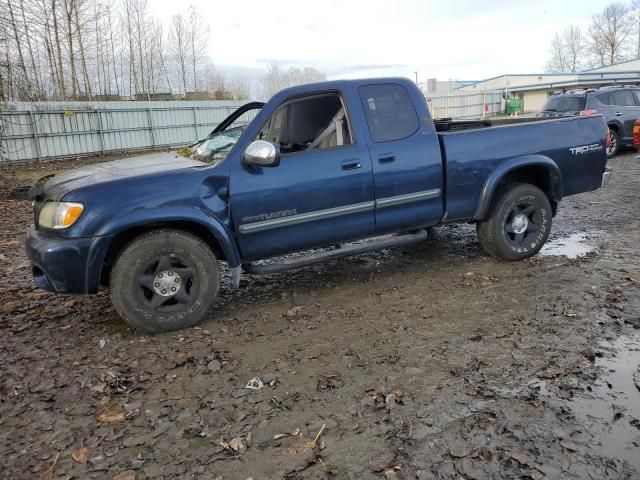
59, 215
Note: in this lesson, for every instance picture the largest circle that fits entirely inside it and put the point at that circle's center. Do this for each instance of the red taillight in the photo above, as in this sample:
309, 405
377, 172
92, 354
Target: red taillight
636, 134
589, 111
608, 143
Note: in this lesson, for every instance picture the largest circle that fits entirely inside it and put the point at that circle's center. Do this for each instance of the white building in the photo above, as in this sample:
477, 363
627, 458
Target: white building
534, 89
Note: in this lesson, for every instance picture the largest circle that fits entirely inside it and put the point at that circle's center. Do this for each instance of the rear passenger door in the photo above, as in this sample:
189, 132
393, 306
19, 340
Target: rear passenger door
625, 110
405, 155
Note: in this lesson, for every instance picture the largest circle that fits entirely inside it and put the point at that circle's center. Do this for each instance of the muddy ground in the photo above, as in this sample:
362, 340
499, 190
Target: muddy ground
431, 361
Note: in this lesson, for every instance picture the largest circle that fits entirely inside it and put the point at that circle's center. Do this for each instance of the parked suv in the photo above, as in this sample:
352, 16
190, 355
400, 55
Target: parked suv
619, 104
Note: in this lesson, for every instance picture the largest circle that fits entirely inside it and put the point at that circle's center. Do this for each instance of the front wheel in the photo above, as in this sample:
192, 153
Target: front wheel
519, 223
164, 280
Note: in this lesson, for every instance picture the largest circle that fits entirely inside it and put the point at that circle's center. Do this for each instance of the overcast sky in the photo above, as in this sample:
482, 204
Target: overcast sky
462, 39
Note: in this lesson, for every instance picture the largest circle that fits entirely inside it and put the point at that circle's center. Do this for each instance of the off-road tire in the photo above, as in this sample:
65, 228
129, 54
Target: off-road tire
493, 232
173, 251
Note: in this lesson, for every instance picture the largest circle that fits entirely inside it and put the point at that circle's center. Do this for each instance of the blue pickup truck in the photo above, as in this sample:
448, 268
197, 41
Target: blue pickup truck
319, 165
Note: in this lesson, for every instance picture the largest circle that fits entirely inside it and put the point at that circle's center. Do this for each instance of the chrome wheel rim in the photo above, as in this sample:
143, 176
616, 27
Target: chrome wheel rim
613, 144
167, 283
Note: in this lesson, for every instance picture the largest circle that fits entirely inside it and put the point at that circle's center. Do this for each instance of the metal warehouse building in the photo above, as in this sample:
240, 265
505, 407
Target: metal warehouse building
534, 89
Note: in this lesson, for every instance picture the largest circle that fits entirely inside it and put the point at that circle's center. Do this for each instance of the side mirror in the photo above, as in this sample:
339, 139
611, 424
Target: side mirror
261, 153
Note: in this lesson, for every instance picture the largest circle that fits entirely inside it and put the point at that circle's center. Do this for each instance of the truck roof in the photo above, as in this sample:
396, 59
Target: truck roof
340, 85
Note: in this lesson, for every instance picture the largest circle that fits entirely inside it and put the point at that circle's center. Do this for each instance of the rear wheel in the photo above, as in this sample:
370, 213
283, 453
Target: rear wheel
614, 143
164, 280
518, 224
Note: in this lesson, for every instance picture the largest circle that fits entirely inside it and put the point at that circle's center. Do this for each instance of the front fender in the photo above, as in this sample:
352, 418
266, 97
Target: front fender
502, 170
177, 214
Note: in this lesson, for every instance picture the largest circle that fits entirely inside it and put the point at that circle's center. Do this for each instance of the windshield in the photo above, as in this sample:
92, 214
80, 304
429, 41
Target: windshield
215, 147
565, 104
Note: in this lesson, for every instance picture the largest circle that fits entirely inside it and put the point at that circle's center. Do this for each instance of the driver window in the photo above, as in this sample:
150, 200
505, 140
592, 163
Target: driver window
309, 123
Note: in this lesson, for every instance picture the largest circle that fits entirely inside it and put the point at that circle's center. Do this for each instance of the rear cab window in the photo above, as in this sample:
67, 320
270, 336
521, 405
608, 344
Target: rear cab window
389, 111
565, 103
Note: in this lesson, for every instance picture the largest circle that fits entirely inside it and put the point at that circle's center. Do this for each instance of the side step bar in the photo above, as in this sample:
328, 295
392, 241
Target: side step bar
409, 238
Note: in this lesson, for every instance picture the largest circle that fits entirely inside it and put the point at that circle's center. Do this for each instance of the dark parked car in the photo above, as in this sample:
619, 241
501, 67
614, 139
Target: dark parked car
619, 104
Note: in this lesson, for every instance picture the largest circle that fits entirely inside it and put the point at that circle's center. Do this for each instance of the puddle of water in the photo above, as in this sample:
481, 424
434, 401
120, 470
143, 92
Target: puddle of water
573, 246
618, 437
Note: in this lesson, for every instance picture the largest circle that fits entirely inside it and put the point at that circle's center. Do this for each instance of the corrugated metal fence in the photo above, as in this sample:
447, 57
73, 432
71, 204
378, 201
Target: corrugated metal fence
48, 130
470, 106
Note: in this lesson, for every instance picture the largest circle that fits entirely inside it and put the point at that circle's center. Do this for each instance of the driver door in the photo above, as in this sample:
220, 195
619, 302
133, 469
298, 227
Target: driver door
316, 196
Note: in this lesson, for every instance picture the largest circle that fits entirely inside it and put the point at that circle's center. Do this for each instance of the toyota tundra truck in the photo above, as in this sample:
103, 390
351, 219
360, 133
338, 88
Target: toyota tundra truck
355, 163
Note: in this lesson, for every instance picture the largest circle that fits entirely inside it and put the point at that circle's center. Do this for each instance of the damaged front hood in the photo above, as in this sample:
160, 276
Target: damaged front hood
56, 186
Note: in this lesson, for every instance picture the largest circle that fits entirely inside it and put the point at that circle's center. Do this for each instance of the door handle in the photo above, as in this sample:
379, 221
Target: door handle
387, 159
351, 164
618, 114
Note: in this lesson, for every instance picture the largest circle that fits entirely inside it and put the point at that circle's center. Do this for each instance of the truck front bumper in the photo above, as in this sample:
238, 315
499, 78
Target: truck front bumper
606, 176
66, 265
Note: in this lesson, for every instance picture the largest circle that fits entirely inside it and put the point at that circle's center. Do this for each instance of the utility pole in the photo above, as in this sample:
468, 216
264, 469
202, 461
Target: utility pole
416, 77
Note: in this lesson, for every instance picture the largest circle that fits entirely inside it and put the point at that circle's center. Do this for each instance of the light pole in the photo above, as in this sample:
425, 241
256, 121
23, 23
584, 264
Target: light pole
416, 77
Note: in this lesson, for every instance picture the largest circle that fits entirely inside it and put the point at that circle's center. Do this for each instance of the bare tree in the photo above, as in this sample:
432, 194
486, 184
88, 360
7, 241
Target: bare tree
55, 88
58, 46
5, 73
198, 33
68, 11
153, 44
635, 20
139, 15
179, 40
79, 28
27, 26
557, 62
127, 5
609, 33
575, 47
240, 88
276, 78
273, 81
214, 81
306, 75
66, 49
18, 44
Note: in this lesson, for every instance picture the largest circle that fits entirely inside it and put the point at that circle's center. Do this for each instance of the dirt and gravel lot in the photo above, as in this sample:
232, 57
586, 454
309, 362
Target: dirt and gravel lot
432, 361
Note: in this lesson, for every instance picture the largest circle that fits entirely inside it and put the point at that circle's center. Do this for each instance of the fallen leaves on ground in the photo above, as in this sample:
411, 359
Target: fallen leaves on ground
110, 415
81, 454
237, 445
48, 470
